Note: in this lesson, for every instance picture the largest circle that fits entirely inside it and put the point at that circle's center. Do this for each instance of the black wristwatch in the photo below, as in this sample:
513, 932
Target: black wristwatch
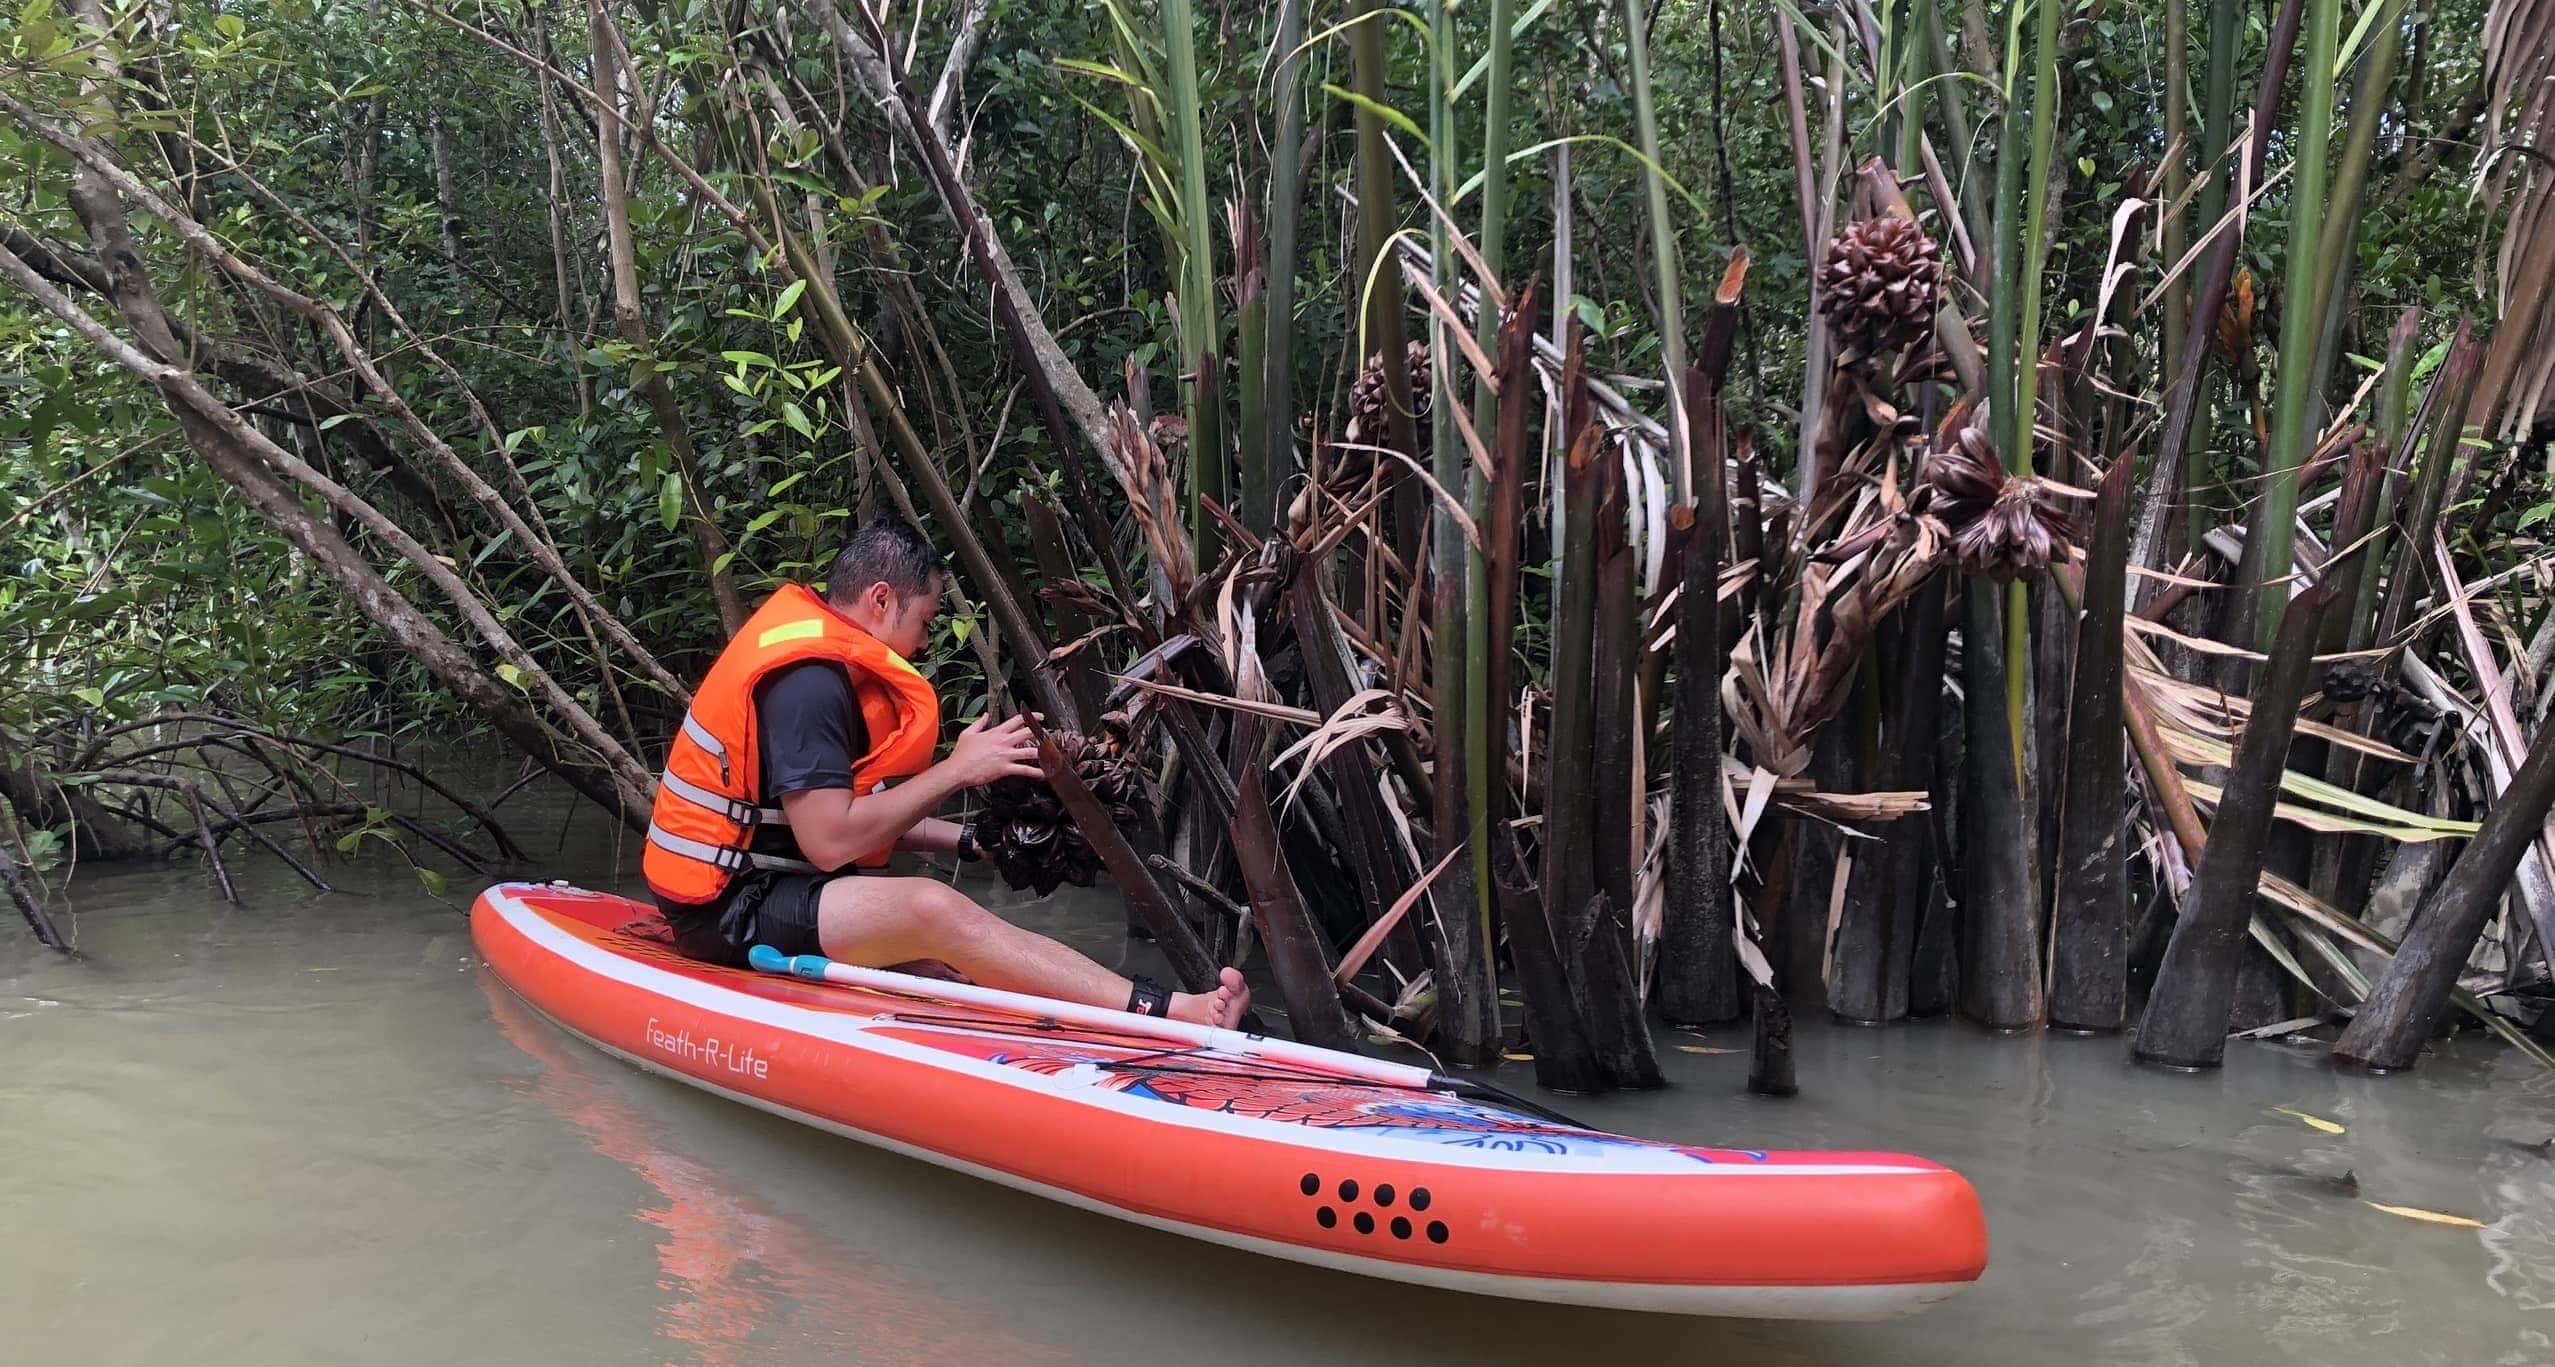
967, 849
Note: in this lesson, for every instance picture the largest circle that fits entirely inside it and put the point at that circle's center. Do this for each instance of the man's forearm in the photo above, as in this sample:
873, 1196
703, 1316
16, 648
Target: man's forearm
879, 820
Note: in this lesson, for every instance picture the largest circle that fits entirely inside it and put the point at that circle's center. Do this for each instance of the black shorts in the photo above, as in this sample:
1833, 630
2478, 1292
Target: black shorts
759, 908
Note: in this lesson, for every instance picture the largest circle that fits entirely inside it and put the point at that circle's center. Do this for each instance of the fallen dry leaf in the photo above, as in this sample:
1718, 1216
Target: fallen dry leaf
2427, 1216
2313, 1122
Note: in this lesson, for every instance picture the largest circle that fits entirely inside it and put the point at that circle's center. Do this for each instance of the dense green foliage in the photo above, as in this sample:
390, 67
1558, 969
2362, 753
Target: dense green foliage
406, 368
139, 586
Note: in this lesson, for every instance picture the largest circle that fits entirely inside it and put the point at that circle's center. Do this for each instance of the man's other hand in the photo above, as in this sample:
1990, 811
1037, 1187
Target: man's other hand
986, 752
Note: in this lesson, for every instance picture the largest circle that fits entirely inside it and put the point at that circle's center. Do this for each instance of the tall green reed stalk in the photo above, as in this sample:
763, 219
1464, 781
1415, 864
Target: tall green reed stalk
1463, 890
2000, 978
2218, 166
2335, 246
1663, 247
1376, 299
2218, 107
2019, 422
1484, 708
2177, 172
1263, 471
1201, 325
2271, 531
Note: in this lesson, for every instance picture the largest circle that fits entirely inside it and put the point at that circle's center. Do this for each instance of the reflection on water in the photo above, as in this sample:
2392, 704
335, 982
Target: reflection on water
2143, 1312
2518, 1178
740, 1274
315, 1130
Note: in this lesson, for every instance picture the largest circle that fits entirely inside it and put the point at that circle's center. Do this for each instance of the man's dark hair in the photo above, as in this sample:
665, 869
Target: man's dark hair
883, 548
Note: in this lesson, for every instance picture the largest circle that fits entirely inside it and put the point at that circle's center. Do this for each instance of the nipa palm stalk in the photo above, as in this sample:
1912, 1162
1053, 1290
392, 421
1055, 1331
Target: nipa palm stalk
1877, 288
1033, 842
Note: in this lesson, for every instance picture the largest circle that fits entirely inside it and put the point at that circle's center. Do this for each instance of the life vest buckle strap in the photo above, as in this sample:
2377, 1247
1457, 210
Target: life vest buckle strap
743, 813
726, 858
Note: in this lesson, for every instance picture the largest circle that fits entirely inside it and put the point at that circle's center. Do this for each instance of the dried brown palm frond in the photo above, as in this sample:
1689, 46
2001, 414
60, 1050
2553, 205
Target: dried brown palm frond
1895, 570
2517, 182
2214, 714
1758, 695
1369, 712
1877, 288
1857, 424
1788, 678
1087, 598
1803, 796
2195, 727
1153, 496
1032, 841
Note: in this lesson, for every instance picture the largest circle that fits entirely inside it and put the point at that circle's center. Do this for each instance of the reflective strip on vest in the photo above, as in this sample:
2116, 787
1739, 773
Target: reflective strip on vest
721, 857
744, 813
701, 737
805, 628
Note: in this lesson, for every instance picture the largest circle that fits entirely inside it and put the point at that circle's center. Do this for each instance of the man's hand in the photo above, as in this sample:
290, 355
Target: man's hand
833, 830
986, 752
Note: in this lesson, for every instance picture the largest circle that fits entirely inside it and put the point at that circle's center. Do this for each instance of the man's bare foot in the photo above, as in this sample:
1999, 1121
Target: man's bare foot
1222, 1007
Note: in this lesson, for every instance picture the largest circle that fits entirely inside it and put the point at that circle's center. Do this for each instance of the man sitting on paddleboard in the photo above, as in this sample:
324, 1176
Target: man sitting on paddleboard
775, 816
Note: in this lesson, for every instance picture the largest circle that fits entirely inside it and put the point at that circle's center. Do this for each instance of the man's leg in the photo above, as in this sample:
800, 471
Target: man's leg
878, 922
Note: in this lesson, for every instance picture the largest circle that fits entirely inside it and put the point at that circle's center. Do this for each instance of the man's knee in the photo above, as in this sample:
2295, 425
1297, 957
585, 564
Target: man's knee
937, 901
941, 913
903, 917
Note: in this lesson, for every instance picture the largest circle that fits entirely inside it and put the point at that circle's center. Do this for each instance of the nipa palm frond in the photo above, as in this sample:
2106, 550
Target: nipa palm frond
1154, 497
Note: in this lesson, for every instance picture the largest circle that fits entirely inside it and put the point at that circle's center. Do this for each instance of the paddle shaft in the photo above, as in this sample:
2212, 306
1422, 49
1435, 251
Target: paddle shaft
818, 968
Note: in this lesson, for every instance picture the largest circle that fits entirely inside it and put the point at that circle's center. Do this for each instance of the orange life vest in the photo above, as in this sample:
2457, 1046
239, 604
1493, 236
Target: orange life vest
709, 802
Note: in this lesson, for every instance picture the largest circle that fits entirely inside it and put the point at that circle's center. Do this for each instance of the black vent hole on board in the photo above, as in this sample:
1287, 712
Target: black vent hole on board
1384, 1196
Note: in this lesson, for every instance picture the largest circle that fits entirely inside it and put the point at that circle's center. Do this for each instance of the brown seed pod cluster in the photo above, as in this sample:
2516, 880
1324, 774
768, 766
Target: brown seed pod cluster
2003, 527
2351, 680
1370, 404
1877, 288
1033, 842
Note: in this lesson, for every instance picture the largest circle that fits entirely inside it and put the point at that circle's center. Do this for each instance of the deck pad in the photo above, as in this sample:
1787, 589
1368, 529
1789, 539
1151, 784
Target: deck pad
1131, 1065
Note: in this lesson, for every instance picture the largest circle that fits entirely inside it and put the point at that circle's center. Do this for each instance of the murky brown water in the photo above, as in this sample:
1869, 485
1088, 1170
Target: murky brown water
313, 1129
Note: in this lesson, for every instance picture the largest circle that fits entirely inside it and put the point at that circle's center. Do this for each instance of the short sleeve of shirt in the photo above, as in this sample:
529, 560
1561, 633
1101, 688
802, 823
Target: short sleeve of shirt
811, 729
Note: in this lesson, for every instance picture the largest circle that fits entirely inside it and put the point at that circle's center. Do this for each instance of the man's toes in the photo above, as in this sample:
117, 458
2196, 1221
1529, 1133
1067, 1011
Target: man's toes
1232, 997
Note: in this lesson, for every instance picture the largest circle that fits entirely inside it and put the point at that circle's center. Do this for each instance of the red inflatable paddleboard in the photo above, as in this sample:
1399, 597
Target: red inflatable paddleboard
1299, 1153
